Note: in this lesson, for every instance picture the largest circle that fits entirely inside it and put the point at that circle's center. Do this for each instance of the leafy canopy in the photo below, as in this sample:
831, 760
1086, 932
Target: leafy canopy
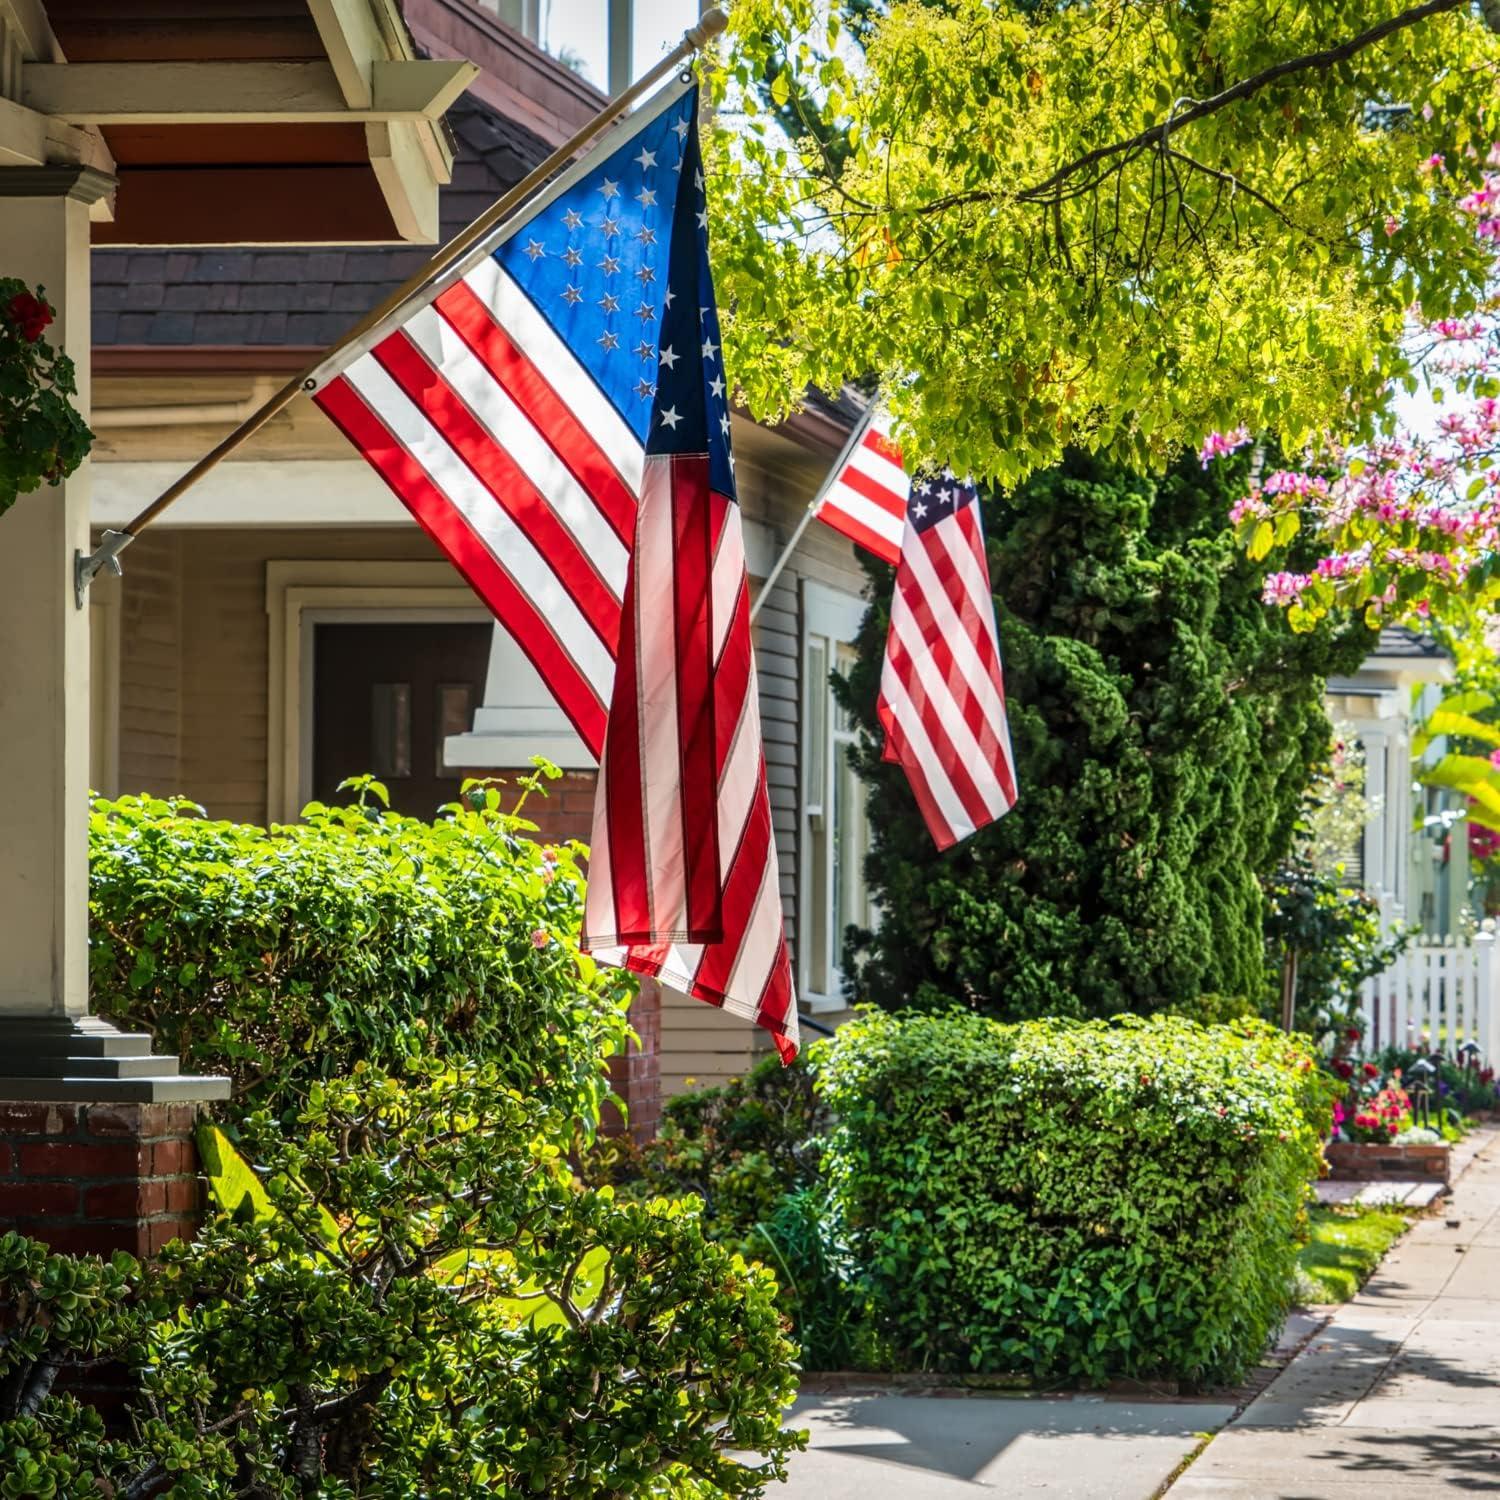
1044, 226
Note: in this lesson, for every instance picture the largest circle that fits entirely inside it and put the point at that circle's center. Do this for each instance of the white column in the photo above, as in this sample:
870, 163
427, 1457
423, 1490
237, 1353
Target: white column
44, 637
518, 719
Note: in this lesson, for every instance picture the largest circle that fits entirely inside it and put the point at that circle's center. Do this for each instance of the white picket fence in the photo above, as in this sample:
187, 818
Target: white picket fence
1438, 993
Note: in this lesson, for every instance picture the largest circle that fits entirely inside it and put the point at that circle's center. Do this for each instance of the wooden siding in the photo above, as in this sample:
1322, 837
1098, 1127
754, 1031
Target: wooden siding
150, 655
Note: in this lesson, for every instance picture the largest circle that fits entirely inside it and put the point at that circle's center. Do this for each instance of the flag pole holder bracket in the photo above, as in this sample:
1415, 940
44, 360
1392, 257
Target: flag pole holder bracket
107, 557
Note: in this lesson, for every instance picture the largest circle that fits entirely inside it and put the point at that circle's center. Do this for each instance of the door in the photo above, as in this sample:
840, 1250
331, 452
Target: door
384, 699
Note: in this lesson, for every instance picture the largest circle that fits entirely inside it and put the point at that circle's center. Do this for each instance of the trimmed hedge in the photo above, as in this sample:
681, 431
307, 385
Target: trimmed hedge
283, 956
1072, 1201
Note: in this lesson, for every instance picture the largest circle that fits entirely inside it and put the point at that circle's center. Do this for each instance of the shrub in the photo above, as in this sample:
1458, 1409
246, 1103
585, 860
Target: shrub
416, 1299
281, 956
1073, 1201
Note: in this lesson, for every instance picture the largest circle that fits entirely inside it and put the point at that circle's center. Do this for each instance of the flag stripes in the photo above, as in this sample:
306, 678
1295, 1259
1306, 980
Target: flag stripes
866, 495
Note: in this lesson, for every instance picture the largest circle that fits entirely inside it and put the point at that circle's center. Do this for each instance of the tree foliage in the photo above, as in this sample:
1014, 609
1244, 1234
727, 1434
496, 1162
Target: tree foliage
1116, 226
1165, 723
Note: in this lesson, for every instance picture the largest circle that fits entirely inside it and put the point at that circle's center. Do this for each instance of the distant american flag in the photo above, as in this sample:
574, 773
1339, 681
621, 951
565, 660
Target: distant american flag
555, 415
942, 700
865, 496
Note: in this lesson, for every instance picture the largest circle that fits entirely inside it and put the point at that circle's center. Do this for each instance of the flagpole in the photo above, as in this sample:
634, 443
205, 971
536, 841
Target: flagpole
113, 543
813, 506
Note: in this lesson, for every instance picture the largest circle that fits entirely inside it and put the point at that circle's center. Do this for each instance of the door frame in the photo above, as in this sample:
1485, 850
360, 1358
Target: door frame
303, 594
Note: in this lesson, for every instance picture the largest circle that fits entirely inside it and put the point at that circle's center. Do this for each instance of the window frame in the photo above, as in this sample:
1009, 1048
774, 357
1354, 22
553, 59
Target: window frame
830, 618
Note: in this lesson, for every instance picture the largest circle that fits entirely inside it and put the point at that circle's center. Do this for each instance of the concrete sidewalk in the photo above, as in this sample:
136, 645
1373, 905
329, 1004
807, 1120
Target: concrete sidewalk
866, 1447
1400, 1394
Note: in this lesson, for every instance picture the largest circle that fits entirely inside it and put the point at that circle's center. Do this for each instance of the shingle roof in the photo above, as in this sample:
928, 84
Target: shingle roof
245, 297
1399, 640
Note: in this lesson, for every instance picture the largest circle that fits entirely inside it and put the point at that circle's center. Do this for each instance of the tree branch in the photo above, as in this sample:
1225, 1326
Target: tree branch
1308, 62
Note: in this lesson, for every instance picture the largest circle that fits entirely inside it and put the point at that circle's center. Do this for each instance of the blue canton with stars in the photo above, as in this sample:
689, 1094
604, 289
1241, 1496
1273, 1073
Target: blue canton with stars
936, 496
618, 265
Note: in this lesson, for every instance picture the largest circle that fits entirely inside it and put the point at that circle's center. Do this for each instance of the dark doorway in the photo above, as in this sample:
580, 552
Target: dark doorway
384, 699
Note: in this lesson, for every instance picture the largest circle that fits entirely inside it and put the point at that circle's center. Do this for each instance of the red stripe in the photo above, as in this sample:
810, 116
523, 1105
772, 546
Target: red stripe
892, 503
693, 526
549, 413
949, 761
505, 479
858, 532
441, 520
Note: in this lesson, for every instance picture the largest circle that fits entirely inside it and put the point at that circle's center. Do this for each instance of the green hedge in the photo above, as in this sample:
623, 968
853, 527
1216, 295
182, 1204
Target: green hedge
1072, 1201
285, 955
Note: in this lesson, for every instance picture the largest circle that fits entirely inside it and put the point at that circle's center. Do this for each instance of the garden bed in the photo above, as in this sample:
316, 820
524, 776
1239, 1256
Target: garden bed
1362, 1161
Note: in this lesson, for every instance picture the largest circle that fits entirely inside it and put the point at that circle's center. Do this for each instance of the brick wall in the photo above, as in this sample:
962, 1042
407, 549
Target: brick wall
94, 1178
636, 1073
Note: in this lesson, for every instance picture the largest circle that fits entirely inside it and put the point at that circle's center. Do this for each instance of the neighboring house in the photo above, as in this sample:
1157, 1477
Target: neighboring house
287, 624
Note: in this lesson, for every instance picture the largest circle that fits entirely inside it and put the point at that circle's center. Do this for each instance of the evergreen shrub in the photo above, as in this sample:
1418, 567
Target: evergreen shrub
282, 956
1072, 1201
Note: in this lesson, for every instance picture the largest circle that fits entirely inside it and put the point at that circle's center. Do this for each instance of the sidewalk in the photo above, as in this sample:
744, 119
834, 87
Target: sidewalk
1400, 1394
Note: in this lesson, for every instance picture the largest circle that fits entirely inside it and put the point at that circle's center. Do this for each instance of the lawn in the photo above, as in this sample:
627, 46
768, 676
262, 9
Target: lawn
1345, 1246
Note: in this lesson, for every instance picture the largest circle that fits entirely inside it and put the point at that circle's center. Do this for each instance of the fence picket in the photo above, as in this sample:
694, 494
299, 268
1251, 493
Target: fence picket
1439, 992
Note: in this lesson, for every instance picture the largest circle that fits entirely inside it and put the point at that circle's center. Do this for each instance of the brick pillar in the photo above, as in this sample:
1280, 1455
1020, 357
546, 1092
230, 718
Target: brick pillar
636, 1073
94, 1178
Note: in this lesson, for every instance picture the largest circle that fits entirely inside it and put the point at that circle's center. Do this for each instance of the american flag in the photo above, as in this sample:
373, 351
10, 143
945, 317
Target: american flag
865, 496
942, 700
555, 415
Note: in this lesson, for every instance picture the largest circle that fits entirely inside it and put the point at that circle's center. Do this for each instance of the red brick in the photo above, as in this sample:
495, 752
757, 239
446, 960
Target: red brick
113, 1119
169, 1158
17, 1118
124, 1200
84, 1239
182, 1119
183, 1195
161, 1232
78, 1159
29, 1199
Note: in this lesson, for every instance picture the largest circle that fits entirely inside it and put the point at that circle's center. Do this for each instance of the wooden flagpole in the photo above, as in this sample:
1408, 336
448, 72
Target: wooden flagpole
113, 543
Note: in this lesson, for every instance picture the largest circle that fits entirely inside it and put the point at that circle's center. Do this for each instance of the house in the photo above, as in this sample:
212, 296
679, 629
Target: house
286, 624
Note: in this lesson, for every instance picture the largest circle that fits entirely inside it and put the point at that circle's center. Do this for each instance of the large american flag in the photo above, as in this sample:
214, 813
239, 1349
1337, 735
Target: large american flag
555, 415
942, 699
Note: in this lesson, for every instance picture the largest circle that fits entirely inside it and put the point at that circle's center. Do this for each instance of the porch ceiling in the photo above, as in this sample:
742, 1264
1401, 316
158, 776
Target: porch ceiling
234, 121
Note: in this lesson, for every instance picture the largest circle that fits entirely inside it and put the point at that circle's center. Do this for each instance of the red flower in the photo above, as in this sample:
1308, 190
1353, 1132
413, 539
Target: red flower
30, 314
1371, 1071
1353, 1034
1343, 1067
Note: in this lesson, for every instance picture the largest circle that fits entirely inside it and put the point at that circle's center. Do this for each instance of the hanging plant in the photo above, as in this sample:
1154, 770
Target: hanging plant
42, 437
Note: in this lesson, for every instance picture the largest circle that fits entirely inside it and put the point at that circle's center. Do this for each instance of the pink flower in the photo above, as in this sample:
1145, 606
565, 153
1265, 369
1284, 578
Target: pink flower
540, 938
1217, 444
1391, 225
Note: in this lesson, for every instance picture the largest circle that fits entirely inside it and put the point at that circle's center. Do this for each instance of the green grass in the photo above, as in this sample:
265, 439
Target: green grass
1345, 1246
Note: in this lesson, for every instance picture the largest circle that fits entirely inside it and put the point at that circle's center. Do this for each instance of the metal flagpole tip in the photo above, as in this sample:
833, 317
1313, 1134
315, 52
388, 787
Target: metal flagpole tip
710, 24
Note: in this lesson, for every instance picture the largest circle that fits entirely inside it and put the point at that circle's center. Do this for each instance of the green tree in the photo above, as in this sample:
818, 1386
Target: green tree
1116, 226
1165, 723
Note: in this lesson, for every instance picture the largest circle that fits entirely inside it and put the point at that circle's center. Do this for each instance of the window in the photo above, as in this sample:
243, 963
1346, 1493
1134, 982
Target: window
834, 830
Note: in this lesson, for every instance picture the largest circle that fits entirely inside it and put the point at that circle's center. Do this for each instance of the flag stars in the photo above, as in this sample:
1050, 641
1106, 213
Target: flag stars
646, 198
670, 296
670, 418
645, 312
646, 235
609, 265
716, 385
724, 423
573, 219
608, 341
702, 218
645, 275
645, 350
682, 127
612, 189
646, 159
535, 250
644, 389
919, 510
669, 357
709, 348
572, 256
572, 296
609, 302
611, 227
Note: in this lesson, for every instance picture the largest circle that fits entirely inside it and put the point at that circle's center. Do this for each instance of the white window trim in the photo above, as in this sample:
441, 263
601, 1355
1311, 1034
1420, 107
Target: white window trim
832, 613
304, 594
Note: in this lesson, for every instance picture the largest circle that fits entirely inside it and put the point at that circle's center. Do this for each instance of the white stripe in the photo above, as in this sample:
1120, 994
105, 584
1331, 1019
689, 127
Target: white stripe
656, 693
533, 335
728, 578
950, 808
861, 508
891, 477
487, 519
966, 747
967, 553
953, 630
599, 913
512, 430
759, 951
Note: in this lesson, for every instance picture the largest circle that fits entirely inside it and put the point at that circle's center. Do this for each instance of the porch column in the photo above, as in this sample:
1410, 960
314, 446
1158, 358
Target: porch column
51, 1050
